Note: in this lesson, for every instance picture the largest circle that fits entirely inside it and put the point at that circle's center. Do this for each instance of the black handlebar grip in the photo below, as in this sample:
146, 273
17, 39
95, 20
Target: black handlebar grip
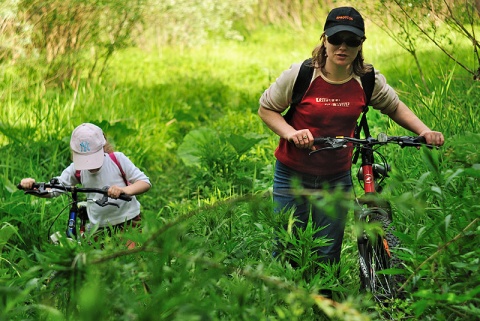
125, 197
319, 140
420, 139
34, 186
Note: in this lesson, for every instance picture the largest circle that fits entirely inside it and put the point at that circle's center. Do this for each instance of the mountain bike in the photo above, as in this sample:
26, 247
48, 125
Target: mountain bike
375, 238
77, 208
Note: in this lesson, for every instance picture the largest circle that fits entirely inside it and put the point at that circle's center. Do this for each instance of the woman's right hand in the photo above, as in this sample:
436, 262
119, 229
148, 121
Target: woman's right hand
301, 138
27, 183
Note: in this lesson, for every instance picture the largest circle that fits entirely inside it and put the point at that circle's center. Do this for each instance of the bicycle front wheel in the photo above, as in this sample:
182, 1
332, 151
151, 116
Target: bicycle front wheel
376, 256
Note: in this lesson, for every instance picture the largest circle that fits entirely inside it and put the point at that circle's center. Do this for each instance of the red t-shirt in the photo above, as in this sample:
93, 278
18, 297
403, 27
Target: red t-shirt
327, 110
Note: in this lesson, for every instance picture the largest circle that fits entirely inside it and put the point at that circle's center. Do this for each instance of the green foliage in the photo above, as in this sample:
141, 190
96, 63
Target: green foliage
444, 24
217, 160
188, 22
188, 118
70, 39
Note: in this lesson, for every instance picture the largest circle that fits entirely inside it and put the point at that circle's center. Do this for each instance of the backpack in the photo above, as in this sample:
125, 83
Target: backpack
302, 83
114, 159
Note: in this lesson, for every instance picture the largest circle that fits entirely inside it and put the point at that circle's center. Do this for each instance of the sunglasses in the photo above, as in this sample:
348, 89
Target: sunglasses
337, 40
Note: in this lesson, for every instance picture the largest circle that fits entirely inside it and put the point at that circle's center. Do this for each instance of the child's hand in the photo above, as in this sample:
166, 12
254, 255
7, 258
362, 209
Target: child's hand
27, 183
115, 191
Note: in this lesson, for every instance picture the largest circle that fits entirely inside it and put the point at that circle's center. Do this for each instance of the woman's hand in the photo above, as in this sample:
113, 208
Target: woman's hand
433, 138
301, 138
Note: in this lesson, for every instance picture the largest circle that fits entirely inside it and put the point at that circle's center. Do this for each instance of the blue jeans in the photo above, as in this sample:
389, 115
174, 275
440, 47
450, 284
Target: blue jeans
333, 225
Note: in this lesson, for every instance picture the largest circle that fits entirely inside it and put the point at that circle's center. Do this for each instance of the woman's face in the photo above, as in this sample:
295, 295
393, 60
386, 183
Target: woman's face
343, 47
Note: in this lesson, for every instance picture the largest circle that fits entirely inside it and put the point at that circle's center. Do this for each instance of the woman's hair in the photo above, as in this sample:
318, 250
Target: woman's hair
319, 59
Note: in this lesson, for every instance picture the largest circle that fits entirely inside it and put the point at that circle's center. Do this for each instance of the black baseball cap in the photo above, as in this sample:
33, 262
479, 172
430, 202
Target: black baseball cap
344, 19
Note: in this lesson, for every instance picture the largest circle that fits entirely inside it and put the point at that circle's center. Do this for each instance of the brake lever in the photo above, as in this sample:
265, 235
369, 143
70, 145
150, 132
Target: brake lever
333, 145
104, 202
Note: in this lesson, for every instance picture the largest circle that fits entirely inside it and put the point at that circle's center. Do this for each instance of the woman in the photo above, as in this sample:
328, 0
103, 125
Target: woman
330, 107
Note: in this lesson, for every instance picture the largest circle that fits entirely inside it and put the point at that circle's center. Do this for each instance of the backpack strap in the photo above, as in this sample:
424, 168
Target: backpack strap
300, 87
368, 83
115, 160
78, 176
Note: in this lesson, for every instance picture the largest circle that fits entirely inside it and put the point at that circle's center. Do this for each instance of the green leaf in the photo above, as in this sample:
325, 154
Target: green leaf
431, 159
420, 306
241, 143
6, 232
196, 143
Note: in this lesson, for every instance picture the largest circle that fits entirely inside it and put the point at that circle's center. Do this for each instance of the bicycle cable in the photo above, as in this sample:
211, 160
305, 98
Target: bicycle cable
60, 213
56, 218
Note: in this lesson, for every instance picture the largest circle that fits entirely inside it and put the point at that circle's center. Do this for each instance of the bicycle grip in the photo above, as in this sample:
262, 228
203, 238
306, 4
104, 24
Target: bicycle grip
320, 140
34, 186
420, 139
125, 197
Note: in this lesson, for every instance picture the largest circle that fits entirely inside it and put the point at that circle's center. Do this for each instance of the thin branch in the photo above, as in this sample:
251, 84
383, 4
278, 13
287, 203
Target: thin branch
443, 247
432, 39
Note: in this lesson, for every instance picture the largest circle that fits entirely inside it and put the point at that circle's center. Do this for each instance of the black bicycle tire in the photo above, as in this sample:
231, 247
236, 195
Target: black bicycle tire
377, 257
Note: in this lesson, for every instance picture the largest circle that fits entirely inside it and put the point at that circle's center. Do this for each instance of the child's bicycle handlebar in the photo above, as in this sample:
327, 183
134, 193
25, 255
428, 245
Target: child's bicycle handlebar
42, 189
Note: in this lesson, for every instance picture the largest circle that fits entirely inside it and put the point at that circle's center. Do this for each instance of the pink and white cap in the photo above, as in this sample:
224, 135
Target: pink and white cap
87, 146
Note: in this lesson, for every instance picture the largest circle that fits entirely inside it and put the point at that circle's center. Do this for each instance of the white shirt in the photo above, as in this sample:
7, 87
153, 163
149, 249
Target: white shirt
108, 175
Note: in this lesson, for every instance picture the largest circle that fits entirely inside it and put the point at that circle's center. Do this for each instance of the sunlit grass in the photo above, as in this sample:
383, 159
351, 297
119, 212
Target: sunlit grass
151, 98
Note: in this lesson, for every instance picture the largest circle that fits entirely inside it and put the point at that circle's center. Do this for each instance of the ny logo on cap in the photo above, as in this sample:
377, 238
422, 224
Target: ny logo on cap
84, 147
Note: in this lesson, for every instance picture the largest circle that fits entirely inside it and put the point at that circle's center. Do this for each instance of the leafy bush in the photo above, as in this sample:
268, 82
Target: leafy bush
188, 118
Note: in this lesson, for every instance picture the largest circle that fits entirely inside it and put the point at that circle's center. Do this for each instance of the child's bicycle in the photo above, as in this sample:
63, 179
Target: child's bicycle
60, 292
77, 208
374, 215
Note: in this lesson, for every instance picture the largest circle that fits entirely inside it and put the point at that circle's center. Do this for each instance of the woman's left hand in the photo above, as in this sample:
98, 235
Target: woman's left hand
433, 138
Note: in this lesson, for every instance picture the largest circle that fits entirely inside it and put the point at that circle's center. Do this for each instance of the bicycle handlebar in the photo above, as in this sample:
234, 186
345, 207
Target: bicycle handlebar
43, 189
341, 142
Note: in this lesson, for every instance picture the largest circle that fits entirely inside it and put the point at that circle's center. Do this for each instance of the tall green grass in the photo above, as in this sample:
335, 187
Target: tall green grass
209, 224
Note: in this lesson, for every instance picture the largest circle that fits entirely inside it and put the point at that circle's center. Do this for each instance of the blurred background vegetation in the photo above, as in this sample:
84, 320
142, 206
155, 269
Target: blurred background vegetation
175, 86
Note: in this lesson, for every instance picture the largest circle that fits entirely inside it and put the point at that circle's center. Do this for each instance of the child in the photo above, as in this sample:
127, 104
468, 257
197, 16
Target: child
95, 166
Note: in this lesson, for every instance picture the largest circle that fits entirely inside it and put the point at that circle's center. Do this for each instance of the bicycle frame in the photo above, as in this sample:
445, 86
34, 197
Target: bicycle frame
371, 173
374, 250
